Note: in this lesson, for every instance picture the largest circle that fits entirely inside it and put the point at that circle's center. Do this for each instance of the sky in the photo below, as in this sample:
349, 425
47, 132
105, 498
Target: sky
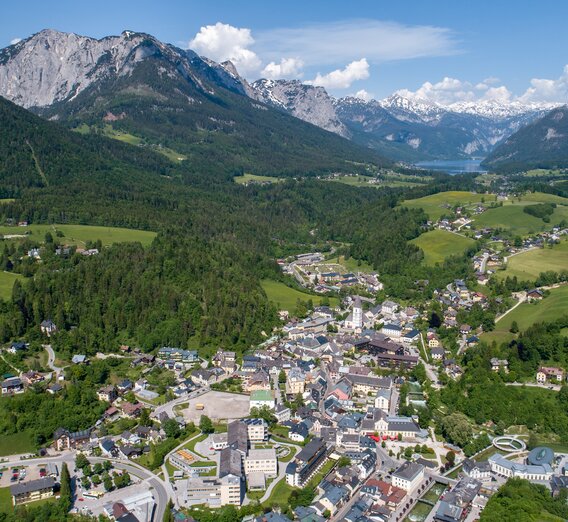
437, 50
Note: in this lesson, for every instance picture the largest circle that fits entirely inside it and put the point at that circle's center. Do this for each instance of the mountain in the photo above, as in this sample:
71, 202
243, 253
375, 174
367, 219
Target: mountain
136, 88
541, 144
399, 127
309, 103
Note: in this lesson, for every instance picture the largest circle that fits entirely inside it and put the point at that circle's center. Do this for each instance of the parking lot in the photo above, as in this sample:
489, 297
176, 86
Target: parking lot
25, 474
217, 406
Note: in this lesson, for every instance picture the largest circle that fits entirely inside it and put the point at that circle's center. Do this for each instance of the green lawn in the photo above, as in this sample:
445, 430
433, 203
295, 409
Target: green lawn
279, 495
247, 178
80, 234
16, 444
6, 283
191, 444
549, 309
285, 297
351, 264
5, 500
439, 244
435, 204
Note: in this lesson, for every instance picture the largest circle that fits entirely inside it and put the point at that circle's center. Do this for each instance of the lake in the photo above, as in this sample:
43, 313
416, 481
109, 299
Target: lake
459, 166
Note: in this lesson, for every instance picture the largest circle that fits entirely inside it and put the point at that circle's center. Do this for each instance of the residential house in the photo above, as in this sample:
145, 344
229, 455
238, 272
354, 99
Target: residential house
437, 353
48, 327
32, 490
12, 385
295, 382
535, 295
17, 347
477, 470
499, 364
549, 373
64, 439
107, 394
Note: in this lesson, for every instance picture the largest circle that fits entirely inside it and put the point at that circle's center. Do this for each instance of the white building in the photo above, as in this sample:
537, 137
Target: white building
257, 429
263, 460
354, 320
508, 468
408, 476
383, 399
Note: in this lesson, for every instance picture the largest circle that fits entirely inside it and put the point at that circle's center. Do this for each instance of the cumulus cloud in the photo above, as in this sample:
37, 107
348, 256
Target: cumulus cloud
337, 42
287, 68
14, 41
222, 42
343, 78
543, 90
451, 90
363, 95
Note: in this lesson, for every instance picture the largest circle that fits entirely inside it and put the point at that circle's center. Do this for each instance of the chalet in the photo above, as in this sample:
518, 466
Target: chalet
64, 439
48, 327
499, 364
12, 385
131, 410
549, 373
17, 347
107, 394
535, 295
108, 448
437, 353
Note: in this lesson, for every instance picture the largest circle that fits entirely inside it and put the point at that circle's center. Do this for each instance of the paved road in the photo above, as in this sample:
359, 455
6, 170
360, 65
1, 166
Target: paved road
51, 360
555, 387
522, 299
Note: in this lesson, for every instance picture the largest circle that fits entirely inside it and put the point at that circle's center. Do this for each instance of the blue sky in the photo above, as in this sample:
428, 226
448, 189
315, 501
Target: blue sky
465, 50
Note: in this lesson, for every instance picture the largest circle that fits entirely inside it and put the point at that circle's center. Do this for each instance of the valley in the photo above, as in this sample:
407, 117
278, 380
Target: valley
226, 296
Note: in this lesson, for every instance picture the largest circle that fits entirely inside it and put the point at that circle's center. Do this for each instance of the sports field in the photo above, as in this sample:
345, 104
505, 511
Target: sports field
285, 297
436, 205
439, 244
549, 309
528, 266
80, 234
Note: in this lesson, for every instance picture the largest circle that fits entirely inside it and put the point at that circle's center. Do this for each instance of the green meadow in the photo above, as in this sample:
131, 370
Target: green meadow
439, 244
80, 234
528, 266
435, 205
285, 298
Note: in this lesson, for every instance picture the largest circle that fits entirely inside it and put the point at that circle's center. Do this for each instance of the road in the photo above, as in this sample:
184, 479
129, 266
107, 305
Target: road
483, 266
555, 387
522, 299
51, 360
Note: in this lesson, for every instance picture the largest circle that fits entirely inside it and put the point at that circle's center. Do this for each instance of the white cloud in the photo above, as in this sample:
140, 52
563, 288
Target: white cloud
363, 95
543, 90
222, 42
451, 90
343, 78
287, 68
14, 41
337, 42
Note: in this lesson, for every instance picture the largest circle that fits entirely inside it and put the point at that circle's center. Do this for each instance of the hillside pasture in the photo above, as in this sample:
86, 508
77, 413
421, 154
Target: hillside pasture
528, 265
80, 234
285, 298
6, 283
436, 205
437, 245
527, 314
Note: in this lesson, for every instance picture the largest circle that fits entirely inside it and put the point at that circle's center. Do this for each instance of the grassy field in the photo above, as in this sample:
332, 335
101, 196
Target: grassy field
435, 204
439, 244
512, 217
16, 444
248, 178
80, 234
6, 283
5, 500
110, 132
351, 264
550, 308
529, 265
285, 297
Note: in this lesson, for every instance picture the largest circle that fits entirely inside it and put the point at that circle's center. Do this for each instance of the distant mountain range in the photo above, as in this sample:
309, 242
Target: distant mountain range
541, 144
204, 111
144, 91
401, 128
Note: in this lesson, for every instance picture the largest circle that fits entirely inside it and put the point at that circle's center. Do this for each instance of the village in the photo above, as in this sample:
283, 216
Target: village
318, 406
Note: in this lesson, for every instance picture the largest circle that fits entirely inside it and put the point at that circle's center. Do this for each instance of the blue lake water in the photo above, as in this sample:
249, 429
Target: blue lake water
453, 166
